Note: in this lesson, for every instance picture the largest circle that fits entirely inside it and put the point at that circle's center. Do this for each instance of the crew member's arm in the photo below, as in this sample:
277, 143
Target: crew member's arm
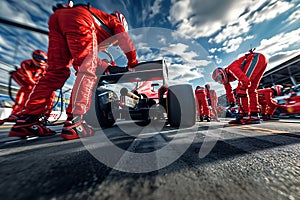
23, 75
120, 35
243, 81
28, 76
269, 99
124, 41
229, 94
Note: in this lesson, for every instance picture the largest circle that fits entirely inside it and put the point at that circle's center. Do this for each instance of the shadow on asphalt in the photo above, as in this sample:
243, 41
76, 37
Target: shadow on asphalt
51, 167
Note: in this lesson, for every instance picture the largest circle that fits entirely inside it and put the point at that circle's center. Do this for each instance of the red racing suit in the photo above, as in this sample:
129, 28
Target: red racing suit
213, 101
265, 99
202, 103
75, 38
248, 71
26, 76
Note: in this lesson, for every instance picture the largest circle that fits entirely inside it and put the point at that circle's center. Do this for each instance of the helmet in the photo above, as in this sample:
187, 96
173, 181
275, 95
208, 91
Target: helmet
278, 89
39, 57
121, 19
199, 87
207, 86
220, 76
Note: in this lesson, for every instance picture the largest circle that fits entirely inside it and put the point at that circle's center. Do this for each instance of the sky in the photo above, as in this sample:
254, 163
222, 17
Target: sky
194, 36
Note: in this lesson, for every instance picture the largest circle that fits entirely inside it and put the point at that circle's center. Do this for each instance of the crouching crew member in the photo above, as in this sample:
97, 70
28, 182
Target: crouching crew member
26, 76
248, 71
267, 101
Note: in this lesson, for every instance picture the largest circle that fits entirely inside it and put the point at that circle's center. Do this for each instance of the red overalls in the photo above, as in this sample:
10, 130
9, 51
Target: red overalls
201, 97
265, 99
248, 70
74, 38
26, 76
213, 99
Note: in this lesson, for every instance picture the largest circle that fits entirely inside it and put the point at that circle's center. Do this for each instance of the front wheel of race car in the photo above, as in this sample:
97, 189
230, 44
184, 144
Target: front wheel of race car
181, 106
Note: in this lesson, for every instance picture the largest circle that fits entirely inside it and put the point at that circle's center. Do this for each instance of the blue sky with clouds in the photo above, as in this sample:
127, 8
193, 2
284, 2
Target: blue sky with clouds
195, 36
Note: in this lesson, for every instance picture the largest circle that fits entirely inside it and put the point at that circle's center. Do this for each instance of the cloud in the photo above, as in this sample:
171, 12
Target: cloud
232, 45
232, 31
229, 22
156, 43
204, 18
280, 57
3, 41
18, 42
180, 73
280, 47
32, 13
271, 11
155, 8
280, 42
232, 17
182, 62
189, 56
294, 17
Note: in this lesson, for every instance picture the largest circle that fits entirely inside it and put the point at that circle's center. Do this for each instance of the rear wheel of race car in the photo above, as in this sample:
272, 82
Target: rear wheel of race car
104, 101
140, 113
181, 106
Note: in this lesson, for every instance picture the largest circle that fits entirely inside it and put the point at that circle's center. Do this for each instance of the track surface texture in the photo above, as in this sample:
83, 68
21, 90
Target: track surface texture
222, 162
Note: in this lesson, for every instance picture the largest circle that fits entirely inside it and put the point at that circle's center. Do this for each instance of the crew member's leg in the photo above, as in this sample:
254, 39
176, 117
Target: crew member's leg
255, 76
85, 57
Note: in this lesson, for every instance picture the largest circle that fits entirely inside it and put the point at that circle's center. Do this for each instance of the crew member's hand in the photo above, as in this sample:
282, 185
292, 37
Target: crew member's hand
109, 63
132, 63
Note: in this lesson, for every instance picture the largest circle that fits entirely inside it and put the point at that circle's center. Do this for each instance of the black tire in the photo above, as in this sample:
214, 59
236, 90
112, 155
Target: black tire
104, 101
181, 106
141, 117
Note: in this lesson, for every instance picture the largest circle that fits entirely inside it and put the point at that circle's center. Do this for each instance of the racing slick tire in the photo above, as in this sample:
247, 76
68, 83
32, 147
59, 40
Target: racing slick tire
100, 113
181, 106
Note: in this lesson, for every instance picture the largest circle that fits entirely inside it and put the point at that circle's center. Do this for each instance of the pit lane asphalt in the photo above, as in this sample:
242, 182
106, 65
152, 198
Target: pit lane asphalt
247, 162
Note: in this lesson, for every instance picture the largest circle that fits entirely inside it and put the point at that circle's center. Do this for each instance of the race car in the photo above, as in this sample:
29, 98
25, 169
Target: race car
290, 104
113, 101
